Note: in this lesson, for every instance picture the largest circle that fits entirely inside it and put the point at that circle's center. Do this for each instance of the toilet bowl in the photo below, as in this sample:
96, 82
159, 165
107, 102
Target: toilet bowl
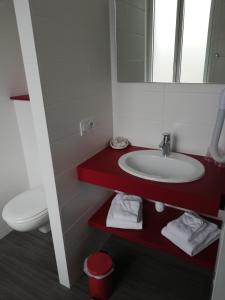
27, 211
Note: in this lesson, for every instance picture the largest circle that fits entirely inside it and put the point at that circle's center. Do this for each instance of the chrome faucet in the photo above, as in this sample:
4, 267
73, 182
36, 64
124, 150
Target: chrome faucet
164, 146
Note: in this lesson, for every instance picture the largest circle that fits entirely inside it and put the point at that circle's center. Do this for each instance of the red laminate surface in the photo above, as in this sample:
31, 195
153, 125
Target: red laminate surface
150, 236
203, 195
21, 98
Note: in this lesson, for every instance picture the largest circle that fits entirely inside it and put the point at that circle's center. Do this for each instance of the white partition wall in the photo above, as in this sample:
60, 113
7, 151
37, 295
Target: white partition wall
74, 64
35, 91
67, 66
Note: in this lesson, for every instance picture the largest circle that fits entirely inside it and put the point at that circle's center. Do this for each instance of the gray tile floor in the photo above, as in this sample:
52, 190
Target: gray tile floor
28, 272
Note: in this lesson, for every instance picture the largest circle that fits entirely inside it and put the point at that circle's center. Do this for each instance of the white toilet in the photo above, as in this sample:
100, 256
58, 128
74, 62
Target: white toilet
28, 211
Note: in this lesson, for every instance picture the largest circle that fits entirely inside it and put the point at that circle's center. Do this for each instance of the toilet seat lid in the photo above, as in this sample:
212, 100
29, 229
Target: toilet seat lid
27, 205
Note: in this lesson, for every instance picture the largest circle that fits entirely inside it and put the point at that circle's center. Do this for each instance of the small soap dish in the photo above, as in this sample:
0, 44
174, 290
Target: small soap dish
119, 143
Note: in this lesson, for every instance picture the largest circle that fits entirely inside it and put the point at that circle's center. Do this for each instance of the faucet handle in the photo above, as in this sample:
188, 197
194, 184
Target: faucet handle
166, 137
166, 134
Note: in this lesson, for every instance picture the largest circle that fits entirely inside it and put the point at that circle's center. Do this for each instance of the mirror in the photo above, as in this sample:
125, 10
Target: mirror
170, 41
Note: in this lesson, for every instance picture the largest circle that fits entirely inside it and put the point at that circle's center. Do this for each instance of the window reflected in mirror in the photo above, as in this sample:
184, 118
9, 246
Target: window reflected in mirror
170, 41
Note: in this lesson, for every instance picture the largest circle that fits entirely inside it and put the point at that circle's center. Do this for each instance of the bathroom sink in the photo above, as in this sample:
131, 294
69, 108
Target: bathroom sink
151, 165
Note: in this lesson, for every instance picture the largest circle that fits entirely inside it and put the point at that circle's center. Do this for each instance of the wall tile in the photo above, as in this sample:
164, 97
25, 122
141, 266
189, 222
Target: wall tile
74, 149
195, 108
64, 117
67, 185
188, 111
194, 88
140, 130
129, 89
189, 138
149, 105
87, 200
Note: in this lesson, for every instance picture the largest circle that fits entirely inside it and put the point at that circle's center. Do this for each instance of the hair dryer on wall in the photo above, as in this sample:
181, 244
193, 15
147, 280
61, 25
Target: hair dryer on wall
214, 146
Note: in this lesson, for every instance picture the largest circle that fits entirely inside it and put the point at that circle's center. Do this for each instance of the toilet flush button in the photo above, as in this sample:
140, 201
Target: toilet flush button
87, 126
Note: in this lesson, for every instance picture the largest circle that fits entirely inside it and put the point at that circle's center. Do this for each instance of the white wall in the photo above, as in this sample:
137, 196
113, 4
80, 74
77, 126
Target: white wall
142, 111
29, 142
13, 176
74, 65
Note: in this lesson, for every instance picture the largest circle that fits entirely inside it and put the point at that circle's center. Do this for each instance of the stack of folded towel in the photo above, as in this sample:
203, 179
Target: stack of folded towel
125, 212
191, 233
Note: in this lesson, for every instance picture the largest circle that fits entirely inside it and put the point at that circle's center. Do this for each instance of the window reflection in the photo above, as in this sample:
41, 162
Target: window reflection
194, 44
171, 40
164, 39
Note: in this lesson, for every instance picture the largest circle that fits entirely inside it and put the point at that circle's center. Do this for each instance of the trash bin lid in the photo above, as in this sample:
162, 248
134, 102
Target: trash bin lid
99, 263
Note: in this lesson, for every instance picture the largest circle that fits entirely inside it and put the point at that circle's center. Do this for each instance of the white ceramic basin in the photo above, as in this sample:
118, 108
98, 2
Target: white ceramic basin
151, 165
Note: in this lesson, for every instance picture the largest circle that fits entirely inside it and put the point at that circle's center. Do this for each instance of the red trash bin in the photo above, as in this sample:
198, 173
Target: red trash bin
99, 268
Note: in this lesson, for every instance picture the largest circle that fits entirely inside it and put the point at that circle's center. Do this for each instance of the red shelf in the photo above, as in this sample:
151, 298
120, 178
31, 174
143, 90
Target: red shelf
21, 98
150, 236
203, 196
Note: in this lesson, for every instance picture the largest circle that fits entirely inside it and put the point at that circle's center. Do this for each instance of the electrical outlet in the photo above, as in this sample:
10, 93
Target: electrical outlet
87, 126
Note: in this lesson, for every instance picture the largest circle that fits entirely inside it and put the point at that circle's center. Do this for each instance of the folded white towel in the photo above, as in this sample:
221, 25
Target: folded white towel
189, 226
197, 244
119, 192
125, 212
123, 224
125, 208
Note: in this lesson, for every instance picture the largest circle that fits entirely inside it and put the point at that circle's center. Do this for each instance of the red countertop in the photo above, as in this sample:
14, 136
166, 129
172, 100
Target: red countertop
203, 196
20, 97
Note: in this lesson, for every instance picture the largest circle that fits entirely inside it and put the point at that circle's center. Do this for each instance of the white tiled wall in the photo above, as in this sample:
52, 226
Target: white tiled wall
13, 175
188, 111
72, 44
143, 111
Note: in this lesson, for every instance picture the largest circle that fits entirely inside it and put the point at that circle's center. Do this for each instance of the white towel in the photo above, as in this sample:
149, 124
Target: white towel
119, 192
123, 224
188, 226
197, 244
125, 212
125, 208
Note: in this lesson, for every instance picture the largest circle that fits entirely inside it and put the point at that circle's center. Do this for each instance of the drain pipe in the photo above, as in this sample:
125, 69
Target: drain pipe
214, 146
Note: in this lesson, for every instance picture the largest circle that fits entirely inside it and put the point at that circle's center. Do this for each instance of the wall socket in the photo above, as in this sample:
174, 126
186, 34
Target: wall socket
87, 126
